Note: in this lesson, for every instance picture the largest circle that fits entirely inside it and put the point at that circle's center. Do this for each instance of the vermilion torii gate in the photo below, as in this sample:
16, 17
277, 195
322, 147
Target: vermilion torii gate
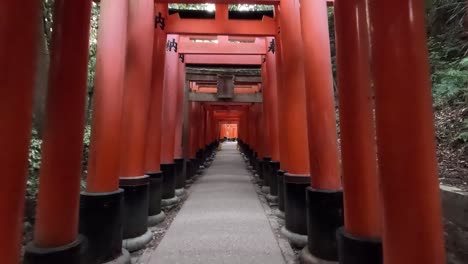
145, 128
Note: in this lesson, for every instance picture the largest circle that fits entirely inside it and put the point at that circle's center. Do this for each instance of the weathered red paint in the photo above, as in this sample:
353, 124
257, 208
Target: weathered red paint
180, 87
294, 99
412, 220
282, 93
361, 195
137, 88
62, 149
270, 93
169, 104
321, 122
223, 59
19, 31
221, 25
222, 46
104, 156
153, 134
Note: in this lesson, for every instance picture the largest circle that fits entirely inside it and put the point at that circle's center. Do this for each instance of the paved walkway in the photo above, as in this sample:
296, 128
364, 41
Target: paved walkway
222, 221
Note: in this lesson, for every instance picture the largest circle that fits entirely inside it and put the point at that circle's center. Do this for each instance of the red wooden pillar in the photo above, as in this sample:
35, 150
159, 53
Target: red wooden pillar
18, 29
168, 122
179, 118
412, 222
62, 149
137, 83
102, 200
178, 151
281, 94
271, 94
293, 122
324, 196
153, 134
265, 107
104, 157
359, 241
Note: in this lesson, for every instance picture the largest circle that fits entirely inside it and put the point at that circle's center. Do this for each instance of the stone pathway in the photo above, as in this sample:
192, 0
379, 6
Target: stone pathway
222, 221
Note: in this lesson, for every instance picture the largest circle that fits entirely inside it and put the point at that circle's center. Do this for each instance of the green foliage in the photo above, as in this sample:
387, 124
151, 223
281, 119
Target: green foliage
35, 156
450, 82
86, 143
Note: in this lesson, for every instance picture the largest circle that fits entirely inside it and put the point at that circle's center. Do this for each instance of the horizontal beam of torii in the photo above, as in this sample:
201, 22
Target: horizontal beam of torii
221, 25
221, 45
253, 2
223, 59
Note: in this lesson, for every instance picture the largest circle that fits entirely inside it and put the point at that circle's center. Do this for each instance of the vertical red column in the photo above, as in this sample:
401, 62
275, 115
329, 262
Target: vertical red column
265, 125
179, 110
58, 200
412, 222
271, 94
137, 89
294, 123
153, 129
153, 135
100, 205
168, 122
17, 65
324, 197
104, 157
179, 117
281, 94
169, 102
140, 28
361, 199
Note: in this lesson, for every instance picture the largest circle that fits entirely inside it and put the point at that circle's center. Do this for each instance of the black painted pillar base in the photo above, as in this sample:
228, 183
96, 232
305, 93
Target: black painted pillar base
273, 175
194, 167
358, 250
169, 180
295, 207
188, 171
155, 214
266, 171
179, 173
259, 169
101, 224
280, 178
70, 254
135, 213
199, 157
324, 217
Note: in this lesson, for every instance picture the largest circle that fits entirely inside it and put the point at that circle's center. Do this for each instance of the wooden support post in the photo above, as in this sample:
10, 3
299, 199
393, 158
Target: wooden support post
324, 196
62, 150
168, 121
169, 103
359, 241
19, 32
153, 134
104, 157
294, 122
101, 204
133, 180
412, 217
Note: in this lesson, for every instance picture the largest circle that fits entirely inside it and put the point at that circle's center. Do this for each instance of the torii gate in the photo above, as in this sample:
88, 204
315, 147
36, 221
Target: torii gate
131, 95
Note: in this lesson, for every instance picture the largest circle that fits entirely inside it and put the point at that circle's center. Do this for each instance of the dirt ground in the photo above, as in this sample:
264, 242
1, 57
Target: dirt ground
452, 151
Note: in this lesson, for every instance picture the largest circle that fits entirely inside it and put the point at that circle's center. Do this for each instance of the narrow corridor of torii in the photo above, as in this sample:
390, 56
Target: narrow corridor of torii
155, 124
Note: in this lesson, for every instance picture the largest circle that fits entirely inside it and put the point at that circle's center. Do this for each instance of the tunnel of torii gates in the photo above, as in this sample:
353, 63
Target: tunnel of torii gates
157, 119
